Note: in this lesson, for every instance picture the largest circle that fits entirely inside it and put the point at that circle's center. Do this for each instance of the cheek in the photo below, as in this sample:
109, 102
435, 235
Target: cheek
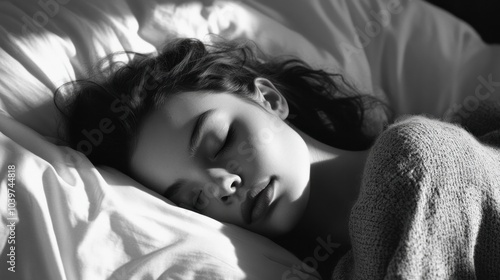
260, 155
275, 148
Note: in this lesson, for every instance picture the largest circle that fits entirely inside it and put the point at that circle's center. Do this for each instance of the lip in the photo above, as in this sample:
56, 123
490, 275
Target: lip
258, 201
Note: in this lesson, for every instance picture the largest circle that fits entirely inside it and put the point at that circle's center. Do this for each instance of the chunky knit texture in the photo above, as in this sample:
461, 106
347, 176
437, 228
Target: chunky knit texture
429, 206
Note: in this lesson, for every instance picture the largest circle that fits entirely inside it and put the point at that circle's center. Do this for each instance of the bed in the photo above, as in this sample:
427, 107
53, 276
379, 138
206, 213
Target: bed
64, 218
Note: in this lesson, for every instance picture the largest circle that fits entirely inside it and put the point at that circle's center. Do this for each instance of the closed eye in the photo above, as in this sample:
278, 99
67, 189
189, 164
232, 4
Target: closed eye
227, 142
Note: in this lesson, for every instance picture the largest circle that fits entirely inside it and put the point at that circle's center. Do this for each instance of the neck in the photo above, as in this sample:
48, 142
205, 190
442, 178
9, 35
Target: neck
334, 186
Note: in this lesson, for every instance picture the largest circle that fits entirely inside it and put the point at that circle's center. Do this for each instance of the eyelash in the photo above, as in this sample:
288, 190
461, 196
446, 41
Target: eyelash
227, 142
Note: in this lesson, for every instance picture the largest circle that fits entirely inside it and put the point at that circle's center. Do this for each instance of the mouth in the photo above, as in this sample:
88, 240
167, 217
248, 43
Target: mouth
258, 201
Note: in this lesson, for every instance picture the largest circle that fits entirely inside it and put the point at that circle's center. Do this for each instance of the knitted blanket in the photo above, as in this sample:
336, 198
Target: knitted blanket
429, 206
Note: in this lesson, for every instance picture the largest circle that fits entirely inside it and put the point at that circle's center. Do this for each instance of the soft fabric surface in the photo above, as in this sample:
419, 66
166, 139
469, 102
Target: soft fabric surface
429, 207
77, 221
418, 58
480, 14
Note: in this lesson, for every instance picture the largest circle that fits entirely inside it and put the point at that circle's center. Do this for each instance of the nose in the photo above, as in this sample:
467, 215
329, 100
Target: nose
227, 184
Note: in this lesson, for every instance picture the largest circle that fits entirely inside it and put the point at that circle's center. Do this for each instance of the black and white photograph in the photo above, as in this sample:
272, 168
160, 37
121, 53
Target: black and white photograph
249, 139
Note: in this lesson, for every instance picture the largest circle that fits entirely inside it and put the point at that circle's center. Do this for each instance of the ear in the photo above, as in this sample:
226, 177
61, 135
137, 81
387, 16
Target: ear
270, 98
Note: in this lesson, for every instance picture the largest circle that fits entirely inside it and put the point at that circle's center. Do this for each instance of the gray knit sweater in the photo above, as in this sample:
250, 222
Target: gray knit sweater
429, 207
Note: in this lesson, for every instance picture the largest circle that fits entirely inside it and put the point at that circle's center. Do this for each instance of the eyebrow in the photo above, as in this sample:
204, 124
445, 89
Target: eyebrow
196, 135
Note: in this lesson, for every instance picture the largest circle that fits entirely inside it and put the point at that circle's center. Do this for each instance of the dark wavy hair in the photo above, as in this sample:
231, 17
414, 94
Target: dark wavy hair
102, 114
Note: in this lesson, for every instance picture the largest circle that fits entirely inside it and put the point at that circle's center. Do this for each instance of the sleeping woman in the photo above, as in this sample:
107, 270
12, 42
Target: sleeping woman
295, 154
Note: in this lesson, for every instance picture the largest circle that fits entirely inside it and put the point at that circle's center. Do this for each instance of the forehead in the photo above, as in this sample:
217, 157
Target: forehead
180, 108
176, 118
185, 107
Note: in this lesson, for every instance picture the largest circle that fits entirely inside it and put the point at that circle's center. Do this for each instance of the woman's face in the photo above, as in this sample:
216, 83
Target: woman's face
228, 158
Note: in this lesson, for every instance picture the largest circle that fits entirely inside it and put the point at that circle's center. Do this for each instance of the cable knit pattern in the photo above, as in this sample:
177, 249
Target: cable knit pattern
429, 207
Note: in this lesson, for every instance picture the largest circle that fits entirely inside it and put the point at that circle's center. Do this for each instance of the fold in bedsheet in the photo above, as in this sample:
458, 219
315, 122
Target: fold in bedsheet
46, 45
421, 59
418, 58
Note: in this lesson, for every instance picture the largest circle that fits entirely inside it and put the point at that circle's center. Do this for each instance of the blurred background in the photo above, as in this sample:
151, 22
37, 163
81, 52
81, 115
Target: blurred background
481, 14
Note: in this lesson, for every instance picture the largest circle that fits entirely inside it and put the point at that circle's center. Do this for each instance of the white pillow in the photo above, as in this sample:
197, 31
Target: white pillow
416, 57
76, 221
420, 59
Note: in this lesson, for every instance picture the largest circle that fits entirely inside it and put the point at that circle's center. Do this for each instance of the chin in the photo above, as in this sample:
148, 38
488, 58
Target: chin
286, 216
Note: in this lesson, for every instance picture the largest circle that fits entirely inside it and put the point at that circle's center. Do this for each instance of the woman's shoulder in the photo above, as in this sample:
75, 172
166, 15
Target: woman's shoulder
423, 136
415, 129
423, 174
418, 147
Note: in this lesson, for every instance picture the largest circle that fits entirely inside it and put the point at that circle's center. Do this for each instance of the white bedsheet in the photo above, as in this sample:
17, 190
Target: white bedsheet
77, 221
